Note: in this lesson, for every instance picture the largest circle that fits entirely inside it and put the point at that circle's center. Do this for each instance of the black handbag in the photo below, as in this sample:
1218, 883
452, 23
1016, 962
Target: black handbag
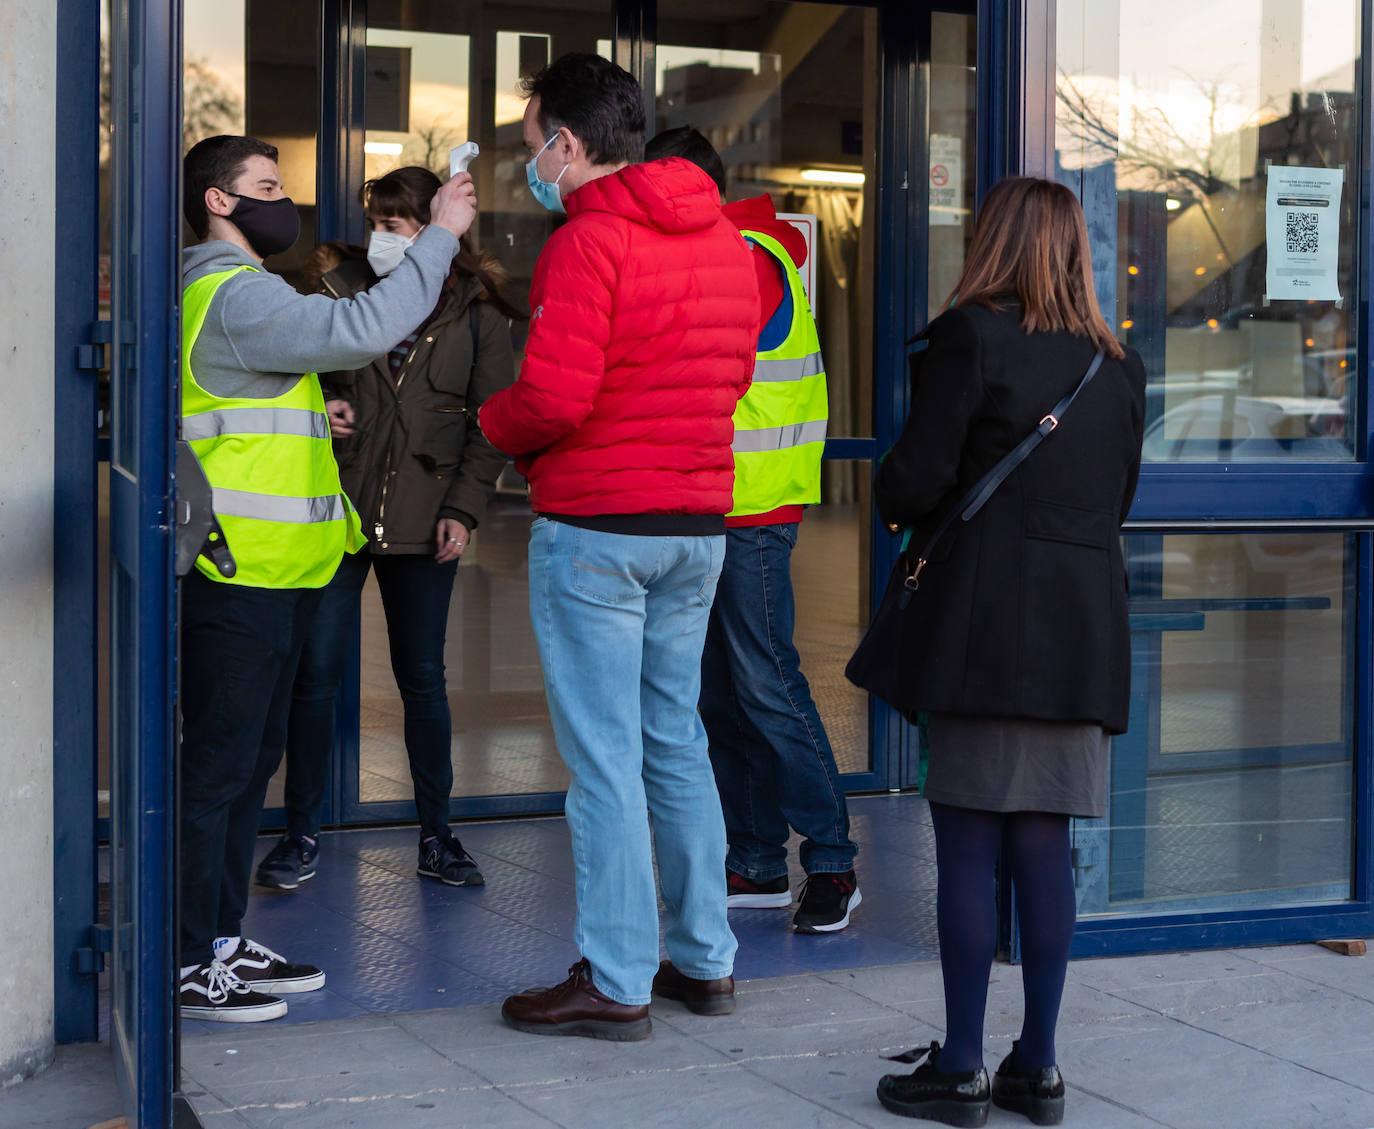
876, 664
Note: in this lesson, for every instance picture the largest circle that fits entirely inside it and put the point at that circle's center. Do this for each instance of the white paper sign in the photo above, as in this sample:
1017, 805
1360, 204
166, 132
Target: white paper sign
946, 180
807, 225
1302, 223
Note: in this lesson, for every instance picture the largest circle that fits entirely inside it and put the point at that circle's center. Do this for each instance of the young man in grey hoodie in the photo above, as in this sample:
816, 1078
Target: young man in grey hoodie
253, 412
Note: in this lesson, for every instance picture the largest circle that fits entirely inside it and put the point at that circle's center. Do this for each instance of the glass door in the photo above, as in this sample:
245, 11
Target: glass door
1220, 154
145, 138
757, 78
436, 76
789, 94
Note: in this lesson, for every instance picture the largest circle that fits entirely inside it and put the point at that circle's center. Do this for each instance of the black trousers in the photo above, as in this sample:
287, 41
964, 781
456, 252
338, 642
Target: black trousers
239, 649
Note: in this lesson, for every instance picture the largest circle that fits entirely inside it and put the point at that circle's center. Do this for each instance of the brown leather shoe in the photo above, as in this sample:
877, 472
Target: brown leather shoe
705, 997
575, 1007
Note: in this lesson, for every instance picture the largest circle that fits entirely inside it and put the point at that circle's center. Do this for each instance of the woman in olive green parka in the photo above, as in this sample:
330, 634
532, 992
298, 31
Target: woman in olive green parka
420, 474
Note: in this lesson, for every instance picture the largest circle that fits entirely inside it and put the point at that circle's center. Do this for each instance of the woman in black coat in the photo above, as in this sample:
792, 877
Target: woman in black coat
1016, 641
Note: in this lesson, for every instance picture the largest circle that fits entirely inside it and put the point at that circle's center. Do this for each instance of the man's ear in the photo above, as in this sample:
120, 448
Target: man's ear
569, 147
218, 202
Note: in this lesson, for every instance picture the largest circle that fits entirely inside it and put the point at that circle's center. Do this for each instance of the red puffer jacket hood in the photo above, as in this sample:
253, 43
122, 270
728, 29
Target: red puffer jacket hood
642, 338
672, 196
758, 214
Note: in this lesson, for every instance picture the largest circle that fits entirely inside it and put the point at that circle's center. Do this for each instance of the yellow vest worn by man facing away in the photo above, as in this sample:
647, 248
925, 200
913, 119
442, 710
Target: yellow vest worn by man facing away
272, 470
780, 423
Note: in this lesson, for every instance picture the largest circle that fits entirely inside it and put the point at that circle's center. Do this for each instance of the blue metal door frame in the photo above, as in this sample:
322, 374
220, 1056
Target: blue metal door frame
1217, 497
77, 941
145, 58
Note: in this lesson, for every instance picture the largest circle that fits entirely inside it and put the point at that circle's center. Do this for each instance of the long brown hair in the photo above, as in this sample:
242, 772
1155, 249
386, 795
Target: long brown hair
1031, 243
405, 193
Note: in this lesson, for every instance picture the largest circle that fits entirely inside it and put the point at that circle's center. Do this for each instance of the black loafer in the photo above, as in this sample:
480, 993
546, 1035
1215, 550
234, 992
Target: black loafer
1037, 1094
930, 1094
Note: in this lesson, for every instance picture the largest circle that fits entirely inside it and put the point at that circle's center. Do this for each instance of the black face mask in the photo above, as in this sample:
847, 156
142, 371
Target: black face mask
270, 226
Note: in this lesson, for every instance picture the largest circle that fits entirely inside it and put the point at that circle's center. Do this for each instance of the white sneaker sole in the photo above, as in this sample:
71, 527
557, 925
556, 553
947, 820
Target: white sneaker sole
270, 883
835, 927
275, 1010
759, 901
288, 987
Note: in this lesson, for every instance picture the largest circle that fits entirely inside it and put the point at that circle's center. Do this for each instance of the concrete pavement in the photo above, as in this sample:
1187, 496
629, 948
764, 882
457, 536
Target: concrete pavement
1274, 1038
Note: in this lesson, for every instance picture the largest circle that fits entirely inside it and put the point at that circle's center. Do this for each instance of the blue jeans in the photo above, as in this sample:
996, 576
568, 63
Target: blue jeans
620, 622
415, 595
773, 762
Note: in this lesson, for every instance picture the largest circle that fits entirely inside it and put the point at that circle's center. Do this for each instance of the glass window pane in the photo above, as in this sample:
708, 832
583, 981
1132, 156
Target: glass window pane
830, 567
1233, 785
787, 93
1219, 170
253, 67
439, 74
952, 90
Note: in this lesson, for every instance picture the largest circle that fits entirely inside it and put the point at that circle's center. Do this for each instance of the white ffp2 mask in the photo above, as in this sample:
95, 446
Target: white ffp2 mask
386, 249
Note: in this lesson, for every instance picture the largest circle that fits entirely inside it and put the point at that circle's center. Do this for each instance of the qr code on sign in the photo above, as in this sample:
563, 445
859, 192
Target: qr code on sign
1302, 232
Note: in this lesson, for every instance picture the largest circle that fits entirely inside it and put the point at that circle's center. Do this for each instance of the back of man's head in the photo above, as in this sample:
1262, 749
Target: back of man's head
600, 103
691, 145
216, 162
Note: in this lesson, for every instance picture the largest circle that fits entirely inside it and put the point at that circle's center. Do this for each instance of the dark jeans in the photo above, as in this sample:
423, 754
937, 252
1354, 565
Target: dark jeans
773, 762
239, 647
415, 596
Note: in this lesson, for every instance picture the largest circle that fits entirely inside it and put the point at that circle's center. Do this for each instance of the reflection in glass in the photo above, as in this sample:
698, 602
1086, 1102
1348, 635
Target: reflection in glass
214, 68
1233, 785
952, 91
1170, 116
417, 100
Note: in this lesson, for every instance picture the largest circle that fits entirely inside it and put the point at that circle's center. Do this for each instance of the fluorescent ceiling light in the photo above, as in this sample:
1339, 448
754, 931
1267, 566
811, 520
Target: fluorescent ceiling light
382, 148
832, 176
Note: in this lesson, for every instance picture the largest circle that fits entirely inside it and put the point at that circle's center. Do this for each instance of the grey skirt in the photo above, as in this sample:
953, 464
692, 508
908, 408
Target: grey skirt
1017, 764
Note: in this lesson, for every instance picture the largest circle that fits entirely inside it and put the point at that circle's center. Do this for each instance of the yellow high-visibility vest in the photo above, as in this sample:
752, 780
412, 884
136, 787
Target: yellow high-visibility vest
271, 468
780, 423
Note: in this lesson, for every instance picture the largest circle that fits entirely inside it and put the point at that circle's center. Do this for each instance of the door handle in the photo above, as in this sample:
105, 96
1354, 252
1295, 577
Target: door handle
197, 529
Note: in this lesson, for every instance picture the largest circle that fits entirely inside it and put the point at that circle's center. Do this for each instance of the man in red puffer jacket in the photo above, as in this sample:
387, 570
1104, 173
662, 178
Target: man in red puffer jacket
643, 329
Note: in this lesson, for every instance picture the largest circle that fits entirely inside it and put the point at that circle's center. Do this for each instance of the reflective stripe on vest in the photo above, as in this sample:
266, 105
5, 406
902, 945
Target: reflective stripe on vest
271, 469
255, 421
780, 423
789, 369
779, 439
270, 507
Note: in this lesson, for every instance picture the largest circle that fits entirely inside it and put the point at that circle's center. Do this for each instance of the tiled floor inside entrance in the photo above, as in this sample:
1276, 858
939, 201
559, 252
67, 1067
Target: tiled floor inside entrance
391, 942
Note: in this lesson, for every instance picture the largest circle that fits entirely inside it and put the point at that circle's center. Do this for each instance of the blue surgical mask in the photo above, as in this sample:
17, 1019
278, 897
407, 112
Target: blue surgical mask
545, 191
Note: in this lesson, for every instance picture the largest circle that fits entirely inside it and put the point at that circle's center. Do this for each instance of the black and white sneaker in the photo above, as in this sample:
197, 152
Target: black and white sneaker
746, 893
212, 992
443, 857
826, 902
265, 971
289, 863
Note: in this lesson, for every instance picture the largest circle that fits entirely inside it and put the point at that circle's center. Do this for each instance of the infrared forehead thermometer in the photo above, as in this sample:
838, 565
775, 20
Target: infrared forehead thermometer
459, 157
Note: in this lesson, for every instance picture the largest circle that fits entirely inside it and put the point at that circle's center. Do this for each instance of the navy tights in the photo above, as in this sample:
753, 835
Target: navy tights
967, 846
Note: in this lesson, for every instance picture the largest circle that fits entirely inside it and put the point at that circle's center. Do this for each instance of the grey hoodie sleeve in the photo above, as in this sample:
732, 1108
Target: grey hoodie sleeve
271, 328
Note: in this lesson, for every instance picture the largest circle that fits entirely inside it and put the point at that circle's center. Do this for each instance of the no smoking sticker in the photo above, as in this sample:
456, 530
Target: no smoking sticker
946, 180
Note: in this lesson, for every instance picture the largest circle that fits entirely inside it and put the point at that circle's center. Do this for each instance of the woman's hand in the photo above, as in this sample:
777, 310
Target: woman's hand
341, 418
450, 539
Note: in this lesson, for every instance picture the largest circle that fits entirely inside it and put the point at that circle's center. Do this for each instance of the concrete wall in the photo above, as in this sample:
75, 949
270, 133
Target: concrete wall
28, 53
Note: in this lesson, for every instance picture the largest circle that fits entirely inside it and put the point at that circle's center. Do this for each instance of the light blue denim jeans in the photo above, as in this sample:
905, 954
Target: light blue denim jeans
620, 622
